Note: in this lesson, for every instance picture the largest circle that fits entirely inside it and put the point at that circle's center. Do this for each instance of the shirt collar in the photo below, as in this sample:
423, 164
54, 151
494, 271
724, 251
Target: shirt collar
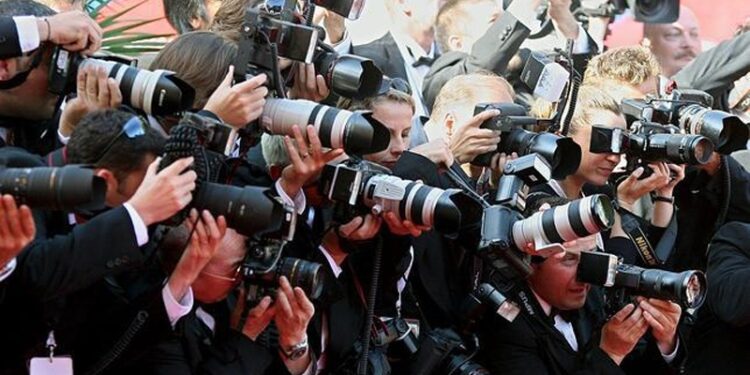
410, 47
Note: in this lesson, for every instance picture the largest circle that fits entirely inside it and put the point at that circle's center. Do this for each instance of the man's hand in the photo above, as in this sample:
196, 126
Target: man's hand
361, 228
469, 141
163, 194
497, 166
332, 22
679, 175
663, 318
307, 162
95, 91
562, 18
258, 318
293, 313
437, 151
74, 31
308, 85
240, 104
16, 229
632, 188
622, 332
403, 228
204, 242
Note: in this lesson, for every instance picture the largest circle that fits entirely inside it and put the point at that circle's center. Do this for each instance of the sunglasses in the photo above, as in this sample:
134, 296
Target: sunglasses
135, 127
400, 84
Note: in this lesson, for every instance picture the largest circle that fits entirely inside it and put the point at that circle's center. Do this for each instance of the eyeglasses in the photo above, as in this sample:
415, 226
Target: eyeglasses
234, 279
135, 127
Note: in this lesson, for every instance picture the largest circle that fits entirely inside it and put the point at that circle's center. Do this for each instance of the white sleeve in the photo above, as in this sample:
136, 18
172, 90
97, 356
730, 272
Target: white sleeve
8, 269
141, 232
176, 310
344, 46
670, 357
28, 33
581, 44
525, 15
299, 202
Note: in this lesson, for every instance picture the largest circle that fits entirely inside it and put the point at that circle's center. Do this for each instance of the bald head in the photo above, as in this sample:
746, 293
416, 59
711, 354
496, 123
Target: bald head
674, 44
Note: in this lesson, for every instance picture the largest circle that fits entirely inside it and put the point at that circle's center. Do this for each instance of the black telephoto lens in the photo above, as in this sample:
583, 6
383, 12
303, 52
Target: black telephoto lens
727, 132
66, 188
247, 210
302, 274
562, 153
686, 288
348, 75
678, 149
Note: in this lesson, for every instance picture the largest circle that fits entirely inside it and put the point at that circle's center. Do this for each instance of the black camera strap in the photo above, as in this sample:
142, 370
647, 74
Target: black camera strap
652, 257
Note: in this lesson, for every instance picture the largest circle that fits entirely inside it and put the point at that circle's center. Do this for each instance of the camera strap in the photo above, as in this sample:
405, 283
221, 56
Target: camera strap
652, 257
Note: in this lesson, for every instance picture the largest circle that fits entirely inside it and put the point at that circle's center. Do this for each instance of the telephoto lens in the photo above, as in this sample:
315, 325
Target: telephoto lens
677, 149
300, 273
66, 188
577, 219
728, 132
349, 76
358, 133
686, 288
562, 153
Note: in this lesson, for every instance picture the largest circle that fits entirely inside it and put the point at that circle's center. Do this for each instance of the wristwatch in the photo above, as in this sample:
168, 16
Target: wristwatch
296, 351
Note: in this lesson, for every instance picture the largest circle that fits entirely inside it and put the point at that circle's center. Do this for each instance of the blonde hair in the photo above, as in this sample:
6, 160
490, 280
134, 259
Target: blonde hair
633, 65
591, 99
465, 90
369, 104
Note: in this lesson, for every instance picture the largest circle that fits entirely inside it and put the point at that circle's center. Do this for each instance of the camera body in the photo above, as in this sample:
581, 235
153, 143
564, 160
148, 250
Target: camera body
690, 111
624, 282
562, 153
358, 187
157, 93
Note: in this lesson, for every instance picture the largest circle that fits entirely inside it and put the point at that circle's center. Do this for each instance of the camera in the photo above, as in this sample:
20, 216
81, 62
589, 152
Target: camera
690, 111
261, 280
651, 142
249, 210
360, 187
646, 11
67, 188
273, 31
157, 93
356, 132
441, 351
483, 298
544, 76
562, 153
624, 281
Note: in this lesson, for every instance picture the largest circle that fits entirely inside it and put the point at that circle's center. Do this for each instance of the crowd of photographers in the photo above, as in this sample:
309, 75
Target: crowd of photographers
268, 198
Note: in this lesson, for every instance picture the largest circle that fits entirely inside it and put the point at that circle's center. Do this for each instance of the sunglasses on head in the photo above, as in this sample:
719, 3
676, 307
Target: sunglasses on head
135, 127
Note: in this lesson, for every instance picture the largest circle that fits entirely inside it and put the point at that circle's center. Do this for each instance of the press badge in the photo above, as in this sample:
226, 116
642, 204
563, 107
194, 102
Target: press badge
51, 366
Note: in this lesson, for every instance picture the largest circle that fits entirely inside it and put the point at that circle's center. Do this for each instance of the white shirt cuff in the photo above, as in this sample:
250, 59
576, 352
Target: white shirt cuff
581, 44
525, 15
299, 202
8, 269
335, 268
28, 33
141, 232
63, 139
176, 310
344, 46
671, 356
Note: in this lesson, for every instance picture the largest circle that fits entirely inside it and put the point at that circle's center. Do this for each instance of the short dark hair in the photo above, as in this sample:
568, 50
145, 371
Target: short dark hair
537, 200
12, 8
180, 12
97, 129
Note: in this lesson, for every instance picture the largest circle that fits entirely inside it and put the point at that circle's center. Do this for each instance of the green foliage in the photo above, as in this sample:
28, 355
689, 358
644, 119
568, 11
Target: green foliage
120, 36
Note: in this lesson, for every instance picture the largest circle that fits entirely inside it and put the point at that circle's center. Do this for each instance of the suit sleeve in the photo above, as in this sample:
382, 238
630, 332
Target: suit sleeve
491, 52
10, 45
728, 274
64, 264
715, 70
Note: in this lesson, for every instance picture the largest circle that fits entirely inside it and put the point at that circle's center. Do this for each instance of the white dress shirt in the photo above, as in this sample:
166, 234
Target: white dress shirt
28, 33
411, 52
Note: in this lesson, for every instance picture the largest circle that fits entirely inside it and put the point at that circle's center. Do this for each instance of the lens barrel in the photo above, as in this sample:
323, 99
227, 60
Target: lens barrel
302, 274
727, 132
247, 210
66, 188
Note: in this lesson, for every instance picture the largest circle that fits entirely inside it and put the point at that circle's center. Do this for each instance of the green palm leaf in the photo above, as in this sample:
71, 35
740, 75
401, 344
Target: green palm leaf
118, 33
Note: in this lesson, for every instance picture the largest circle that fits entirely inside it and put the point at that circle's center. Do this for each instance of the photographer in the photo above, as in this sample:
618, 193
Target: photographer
558, 331
72, 265
469, 38
597, 107
720, 336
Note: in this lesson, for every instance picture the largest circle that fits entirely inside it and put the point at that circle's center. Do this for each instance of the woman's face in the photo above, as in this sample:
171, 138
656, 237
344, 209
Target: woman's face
596, 168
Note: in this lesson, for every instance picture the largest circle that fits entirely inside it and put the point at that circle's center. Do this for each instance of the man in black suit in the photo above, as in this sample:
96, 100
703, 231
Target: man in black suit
51, 270
562, 327
408, 49
721, 336
478, 35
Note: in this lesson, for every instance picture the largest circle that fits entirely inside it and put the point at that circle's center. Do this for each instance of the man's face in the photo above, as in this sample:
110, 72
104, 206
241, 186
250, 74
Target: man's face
422, 13
31, 100
675, 45
397, 118
122, 190
220, 275
460, 115
596, 168
554, 280
479, 18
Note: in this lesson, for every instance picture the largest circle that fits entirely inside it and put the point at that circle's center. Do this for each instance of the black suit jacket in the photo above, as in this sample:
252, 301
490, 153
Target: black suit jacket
721, 336
9, 44
532, 345
384, 52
